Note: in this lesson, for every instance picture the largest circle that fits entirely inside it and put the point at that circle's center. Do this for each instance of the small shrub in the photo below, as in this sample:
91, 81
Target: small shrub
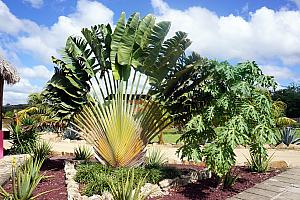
72, 135
156, 158
259, 163
94, 176
42, 150
24, 181
288, 136
127, 188
83, 153
229, 180
24, 136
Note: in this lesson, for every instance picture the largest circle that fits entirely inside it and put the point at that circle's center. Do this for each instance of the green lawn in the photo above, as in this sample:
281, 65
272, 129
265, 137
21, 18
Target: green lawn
169, 137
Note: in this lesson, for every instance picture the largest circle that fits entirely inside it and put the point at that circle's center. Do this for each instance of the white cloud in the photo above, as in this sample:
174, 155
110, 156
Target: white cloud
280, 73
18, 93
36, 72
35, 3
268, 35
297, 2
45, 42
10, 24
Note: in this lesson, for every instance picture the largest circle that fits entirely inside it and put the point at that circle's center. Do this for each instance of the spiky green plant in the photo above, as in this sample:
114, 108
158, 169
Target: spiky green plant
42, 150
156, 158
126, 190
83, 153
24, 180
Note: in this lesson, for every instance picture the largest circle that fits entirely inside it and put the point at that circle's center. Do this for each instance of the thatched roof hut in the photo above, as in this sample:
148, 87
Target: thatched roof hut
9, 75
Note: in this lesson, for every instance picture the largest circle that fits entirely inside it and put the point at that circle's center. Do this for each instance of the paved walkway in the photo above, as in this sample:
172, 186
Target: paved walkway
6, 164
285, 186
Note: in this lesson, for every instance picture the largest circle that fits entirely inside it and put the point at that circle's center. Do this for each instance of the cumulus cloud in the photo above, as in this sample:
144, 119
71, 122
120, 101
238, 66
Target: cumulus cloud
37, 72
280, 74
266, 36
42, 42
18, 93
35, 3
46, 41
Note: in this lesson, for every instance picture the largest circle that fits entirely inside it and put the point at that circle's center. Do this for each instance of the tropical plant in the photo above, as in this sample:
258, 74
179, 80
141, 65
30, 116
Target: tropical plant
107, 80
288, 136
239, 112
126, 190
155, 158
83, 153
24, 136
229, 180
42, 150
291, 97
259, 162
24, 180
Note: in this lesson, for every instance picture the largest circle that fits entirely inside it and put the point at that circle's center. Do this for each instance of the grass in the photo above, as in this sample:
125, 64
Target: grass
168, 138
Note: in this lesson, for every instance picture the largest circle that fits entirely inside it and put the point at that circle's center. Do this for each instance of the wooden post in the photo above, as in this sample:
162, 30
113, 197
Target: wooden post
1, 104
1, 100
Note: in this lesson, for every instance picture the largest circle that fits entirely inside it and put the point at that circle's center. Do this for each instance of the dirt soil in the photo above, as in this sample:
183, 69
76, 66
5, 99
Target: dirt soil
210, 189
55, 183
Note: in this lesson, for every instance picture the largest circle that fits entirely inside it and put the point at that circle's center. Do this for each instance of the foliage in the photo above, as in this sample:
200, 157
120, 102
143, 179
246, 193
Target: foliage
126, 189
288, 136
24, 136
281, 120
259, 162
95, 176
70, 134
155, 158
42, 150
24, 180
229, 180
240, 112
290, 96
104, 75
83, 153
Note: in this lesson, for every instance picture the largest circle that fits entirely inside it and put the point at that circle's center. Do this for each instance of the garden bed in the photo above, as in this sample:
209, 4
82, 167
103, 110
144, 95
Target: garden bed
54, 169
209, 189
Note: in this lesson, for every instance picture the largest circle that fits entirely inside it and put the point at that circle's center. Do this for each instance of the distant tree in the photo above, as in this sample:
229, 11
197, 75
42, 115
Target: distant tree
290, 96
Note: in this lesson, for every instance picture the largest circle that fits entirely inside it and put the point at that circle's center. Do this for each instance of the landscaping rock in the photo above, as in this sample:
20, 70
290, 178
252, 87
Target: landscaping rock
166, 183
267, 146
281, 146
282, 165
106, 196
153, 189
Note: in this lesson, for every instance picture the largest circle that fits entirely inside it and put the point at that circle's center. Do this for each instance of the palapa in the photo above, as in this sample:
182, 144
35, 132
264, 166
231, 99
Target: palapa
10, 76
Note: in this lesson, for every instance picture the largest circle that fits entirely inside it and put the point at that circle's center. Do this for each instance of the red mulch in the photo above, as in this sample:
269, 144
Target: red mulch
56, 182
210, 189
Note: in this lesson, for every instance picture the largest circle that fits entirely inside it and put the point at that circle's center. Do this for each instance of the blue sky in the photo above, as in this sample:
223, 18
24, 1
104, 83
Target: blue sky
267, 31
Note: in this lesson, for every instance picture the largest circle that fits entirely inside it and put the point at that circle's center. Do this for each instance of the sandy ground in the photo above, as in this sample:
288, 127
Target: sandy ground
292, 157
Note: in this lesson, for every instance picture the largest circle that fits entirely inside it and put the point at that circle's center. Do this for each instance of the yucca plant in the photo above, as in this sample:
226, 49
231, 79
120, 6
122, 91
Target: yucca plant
126, 190
155, 158
24, 180
42, 150
83, 153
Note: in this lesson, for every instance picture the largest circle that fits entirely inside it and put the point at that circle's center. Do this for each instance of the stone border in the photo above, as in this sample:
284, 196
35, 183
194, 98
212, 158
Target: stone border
160, 189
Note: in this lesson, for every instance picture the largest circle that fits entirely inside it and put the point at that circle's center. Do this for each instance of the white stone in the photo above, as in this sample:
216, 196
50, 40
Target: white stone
166, 183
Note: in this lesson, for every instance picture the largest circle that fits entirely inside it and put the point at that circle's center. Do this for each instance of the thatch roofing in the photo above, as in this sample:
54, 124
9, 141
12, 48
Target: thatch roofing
8, 72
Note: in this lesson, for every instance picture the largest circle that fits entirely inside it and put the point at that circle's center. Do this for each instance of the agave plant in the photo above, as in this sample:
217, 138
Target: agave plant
108, 81
289, 136
24, 180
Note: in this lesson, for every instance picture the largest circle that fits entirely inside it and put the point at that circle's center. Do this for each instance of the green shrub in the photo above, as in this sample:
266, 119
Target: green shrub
128, 188
156, 158
42, 150
24, 136
94, 176
24, 180
83, 153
